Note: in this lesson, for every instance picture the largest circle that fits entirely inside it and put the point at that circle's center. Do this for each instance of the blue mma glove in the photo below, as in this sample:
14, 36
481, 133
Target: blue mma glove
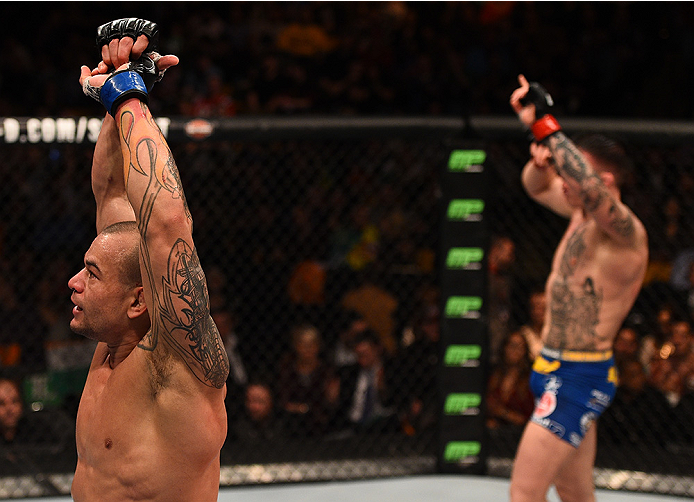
118, 87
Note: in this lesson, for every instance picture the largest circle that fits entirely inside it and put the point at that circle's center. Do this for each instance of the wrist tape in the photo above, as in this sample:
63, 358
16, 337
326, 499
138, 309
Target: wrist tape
122, 86
544, 127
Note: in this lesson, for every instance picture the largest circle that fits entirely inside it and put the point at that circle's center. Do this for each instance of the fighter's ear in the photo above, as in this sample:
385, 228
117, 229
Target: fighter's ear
608, 179
138, 306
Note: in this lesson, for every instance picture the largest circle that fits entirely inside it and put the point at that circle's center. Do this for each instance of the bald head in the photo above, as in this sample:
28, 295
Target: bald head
128, 254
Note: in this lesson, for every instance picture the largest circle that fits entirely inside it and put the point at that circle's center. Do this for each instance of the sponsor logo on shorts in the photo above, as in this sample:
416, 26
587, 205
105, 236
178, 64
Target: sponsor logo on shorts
546, 405
598, 401
552, 384
575, 439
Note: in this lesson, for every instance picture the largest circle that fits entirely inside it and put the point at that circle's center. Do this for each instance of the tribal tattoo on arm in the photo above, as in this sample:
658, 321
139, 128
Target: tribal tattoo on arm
181, 313
574, 168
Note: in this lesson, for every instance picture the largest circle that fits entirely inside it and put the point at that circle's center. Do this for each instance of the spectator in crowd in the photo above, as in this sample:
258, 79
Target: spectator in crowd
501, 257
353, 324
259, 423
19, 428
626, 345
366, 389
355, 244
532, 329
307, 387
510, 401
378, 306
672, 368
640, 413
660, 333
11, 412
417, 365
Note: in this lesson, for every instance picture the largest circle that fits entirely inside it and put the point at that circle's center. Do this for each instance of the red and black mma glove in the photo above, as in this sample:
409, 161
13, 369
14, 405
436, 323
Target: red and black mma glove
545, 124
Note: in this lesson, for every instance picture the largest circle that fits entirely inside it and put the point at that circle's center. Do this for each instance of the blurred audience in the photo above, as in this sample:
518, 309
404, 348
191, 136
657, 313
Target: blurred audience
502, 256
532, 329
660, 333
19, 427
640, 413
417, 368
379, 57
366, 388
510, 401
672, 368
259, 424
350, 325
626, 345
377, 305
307, 385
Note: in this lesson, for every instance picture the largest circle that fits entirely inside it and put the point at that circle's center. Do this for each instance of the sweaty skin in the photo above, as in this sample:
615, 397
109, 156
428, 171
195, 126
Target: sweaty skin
151, 420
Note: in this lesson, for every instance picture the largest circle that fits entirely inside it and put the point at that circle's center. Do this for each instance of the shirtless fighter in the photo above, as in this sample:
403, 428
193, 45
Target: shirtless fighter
151, 421
597, 272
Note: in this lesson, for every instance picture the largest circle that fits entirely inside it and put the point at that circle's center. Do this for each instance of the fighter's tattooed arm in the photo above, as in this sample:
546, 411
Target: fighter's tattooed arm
174, 281
609, 212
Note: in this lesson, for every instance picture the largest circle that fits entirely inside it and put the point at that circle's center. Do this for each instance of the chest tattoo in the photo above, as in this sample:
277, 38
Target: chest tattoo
574, 311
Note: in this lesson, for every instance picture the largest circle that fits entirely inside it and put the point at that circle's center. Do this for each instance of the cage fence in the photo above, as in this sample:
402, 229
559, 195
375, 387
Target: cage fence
320, 240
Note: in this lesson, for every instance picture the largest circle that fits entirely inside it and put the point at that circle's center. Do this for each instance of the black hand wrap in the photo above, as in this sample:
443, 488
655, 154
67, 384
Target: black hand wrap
128, 27
545, 124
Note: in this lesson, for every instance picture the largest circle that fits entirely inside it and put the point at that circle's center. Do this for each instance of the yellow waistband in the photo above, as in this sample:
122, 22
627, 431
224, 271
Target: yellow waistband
577, 355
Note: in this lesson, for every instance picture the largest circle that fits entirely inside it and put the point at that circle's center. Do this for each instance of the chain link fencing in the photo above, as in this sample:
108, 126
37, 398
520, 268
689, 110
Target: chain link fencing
320, 242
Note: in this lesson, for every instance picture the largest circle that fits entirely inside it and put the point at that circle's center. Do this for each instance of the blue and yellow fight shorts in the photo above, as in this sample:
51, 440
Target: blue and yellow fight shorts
572, 389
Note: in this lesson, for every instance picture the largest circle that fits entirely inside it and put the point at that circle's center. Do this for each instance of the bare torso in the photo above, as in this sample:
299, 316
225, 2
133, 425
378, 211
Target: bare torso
592, 286
144, 437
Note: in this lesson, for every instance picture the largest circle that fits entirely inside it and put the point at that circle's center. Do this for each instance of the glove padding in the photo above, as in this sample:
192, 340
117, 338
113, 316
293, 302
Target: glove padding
538, 96
134, 27
128, 27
